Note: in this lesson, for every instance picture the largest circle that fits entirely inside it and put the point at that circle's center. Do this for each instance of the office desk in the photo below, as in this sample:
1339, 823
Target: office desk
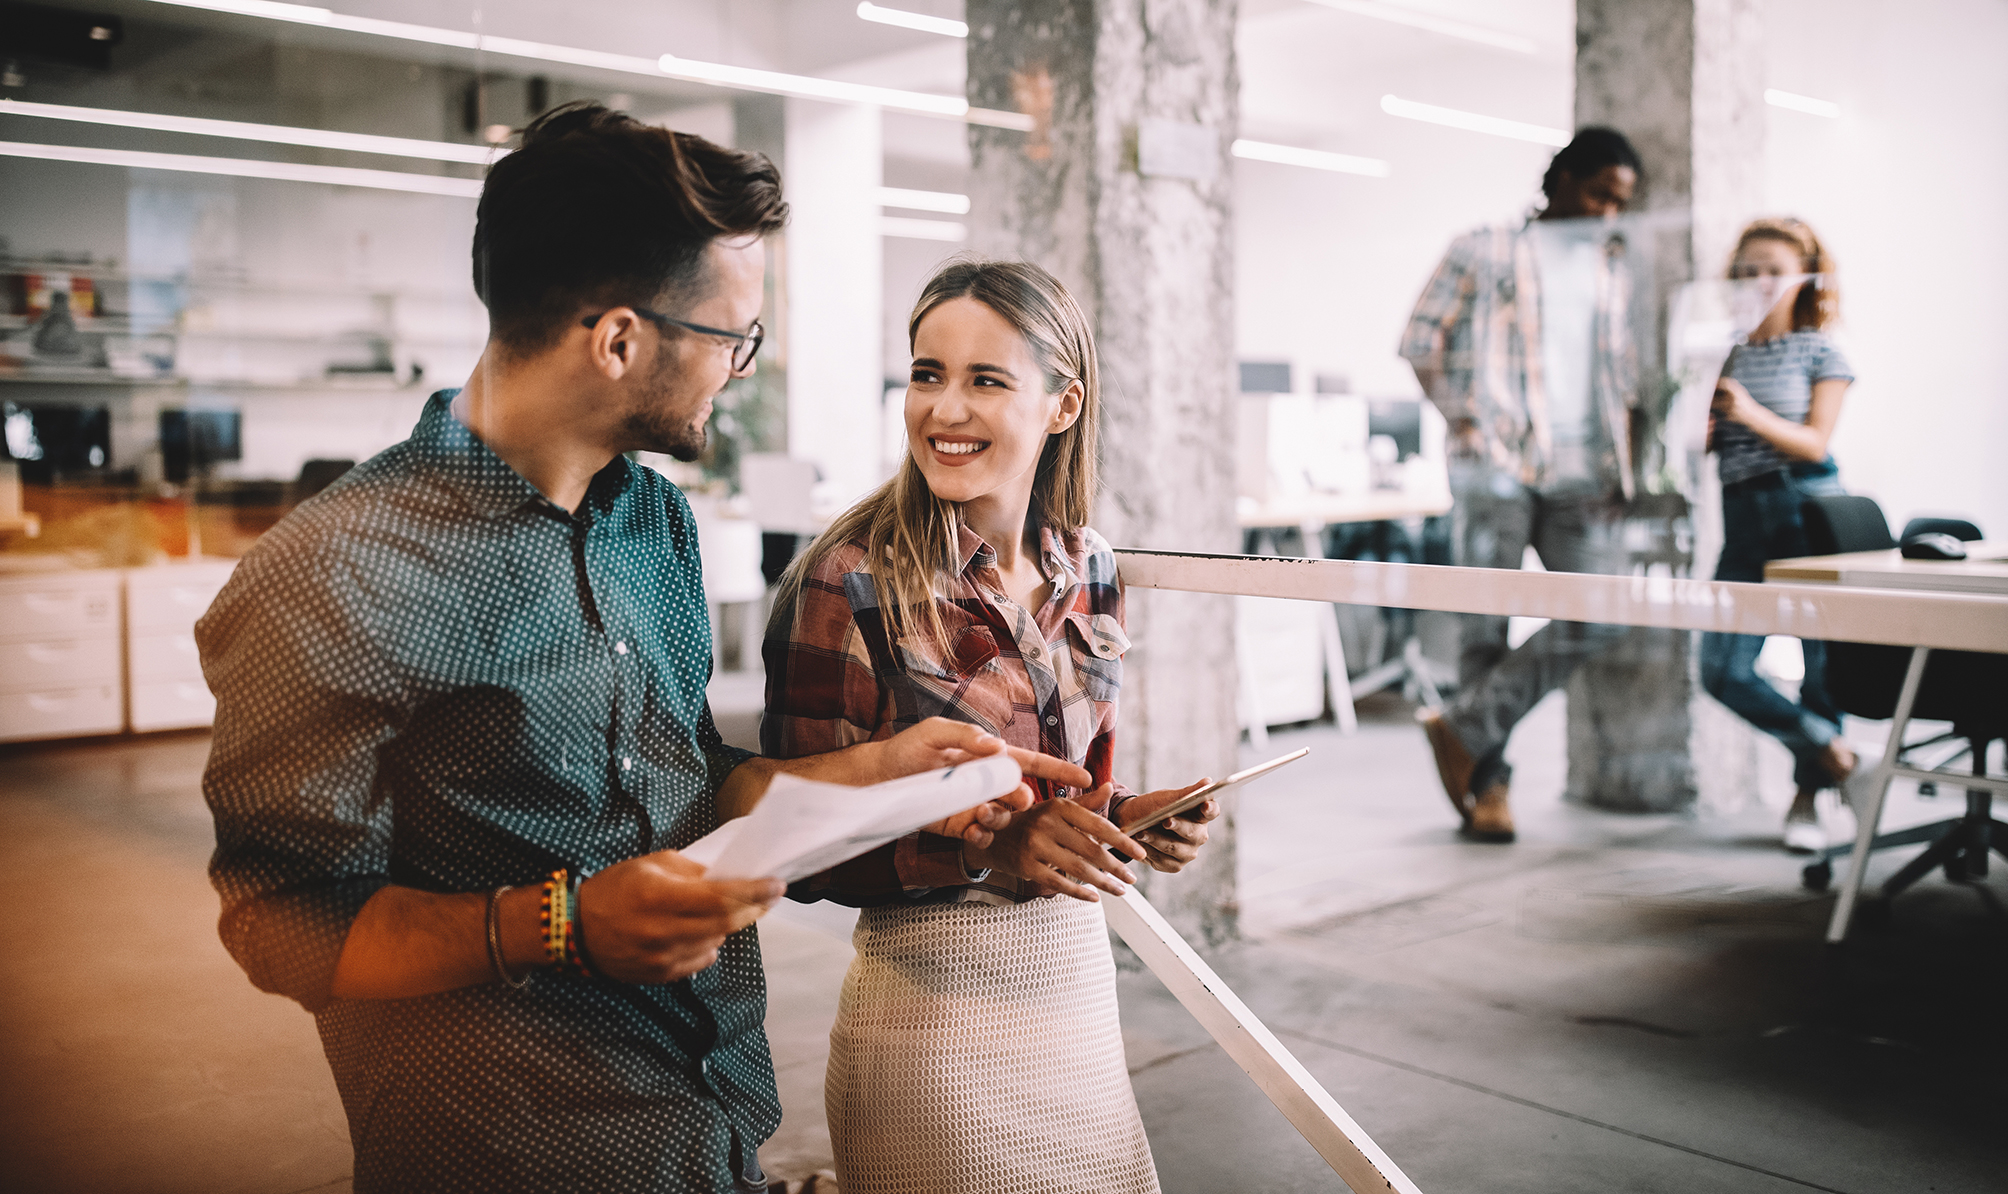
1311, 513
1984, 571
1320, 510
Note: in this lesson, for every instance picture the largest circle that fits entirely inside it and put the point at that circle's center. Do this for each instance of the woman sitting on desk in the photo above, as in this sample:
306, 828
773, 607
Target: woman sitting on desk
1775, 408
977, 1047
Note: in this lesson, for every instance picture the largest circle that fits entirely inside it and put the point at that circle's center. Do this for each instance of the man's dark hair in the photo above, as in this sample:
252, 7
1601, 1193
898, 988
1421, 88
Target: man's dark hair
599, 210
1588, 152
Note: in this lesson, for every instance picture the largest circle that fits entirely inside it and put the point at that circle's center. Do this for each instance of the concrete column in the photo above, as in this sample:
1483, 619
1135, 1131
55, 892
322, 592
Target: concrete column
1124, 190
1684, 80
834, 272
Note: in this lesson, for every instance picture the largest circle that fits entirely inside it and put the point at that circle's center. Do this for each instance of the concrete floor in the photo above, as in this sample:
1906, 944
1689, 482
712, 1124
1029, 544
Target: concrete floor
1614, 1004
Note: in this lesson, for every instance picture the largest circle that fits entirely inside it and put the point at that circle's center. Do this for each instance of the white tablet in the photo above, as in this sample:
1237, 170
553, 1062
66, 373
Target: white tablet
1208, 792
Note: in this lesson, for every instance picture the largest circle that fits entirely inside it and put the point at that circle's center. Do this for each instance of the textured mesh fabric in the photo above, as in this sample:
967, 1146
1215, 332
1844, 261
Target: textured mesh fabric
977, 1050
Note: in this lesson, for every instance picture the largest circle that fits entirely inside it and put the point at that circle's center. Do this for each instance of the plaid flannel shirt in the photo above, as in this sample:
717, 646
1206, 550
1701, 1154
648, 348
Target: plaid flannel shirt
1478, 324
1044, 680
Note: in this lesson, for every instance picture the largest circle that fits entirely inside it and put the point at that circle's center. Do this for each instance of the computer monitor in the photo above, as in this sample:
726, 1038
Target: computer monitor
52, 440
192, 440
1400, 419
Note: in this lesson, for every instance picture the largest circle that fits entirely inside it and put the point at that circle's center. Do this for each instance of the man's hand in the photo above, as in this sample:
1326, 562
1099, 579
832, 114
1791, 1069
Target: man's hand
1467, 441
1172, 845
656, 919
1062, 847
939, 742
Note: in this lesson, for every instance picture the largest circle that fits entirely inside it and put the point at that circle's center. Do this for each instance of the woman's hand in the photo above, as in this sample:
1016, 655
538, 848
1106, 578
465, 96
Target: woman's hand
978, 826
1062, 847
1734, 403
1172, 845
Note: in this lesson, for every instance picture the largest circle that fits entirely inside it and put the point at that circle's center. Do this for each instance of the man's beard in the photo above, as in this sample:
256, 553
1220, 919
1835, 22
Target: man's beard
653, 429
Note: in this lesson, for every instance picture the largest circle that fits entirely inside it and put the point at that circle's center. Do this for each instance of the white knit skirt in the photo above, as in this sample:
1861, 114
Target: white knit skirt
978, 1051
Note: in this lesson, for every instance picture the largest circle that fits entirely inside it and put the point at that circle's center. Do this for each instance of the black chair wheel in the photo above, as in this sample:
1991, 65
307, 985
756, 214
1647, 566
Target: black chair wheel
1817, 876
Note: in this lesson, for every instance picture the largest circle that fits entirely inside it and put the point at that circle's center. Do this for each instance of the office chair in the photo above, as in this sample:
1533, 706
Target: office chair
1967, 688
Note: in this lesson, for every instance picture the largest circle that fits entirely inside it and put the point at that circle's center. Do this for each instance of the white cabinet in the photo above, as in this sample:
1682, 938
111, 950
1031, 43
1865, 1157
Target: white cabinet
60, 671
165, 673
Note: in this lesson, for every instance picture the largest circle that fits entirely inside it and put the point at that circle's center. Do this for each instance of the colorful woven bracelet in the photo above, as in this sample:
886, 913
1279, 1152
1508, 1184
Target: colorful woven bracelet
556, 917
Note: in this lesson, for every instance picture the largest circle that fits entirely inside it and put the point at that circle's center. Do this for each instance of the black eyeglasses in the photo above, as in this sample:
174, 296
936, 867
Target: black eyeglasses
742, 353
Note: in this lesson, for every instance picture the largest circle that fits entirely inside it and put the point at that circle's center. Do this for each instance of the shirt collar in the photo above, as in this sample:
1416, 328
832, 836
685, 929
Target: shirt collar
972, 551
483, 480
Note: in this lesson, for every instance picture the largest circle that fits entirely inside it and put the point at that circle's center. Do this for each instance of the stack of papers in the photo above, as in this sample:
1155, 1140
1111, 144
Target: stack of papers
802, 827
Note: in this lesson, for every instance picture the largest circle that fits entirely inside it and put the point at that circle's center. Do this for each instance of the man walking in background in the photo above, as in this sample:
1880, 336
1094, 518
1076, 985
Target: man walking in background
1521, 340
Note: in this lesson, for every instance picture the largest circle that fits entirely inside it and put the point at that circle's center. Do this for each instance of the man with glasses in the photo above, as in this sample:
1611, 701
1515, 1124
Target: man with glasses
461, 721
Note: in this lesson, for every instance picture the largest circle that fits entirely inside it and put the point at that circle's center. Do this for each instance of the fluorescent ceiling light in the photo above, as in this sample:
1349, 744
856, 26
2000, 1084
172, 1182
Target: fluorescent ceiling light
1472, 121
942, 201
910, 229
1382, 11
438, 151
912, 20
1315, 159
339, 176
663, 66
1802, 103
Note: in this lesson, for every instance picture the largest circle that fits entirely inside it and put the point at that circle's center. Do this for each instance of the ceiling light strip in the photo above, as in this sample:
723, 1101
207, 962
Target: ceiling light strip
665, 66
1474, 122
1314, 159
438, 151
912, 20
1802, 103
946, 202
340, 176
1380, 11
911, 229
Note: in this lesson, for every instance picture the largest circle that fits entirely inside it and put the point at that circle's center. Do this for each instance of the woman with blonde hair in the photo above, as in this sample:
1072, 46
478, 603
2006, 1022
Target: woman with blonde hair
1775, 408
977, 1046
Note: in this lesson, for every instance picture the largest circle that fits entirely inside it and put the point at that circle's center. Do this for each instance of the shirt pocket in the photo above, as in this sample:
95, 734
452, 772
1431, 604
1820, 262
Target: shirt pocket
1098, 644
972, 648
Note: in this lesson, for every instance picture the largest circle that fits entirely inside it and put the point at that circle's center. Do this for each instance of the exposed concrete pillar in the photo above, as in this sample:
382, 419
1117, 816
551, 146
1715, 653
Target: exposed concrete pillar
1684, 80
1124, 190
835, 275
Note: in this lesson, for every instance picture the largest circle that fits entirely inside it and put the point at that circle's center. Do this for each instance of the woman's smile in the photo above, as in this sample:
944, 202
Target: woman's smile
956, 450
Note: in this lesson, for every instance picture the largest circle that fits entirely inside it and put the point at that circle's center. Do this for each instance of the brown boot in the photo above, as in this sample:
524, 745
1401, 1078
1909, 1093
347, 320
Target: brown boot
1491, 820
1453, 762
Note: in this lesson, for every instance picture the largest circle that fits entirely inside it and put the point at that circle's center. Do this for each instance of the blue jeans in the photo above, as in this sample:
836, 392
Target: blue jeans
1760, 523
1495, 520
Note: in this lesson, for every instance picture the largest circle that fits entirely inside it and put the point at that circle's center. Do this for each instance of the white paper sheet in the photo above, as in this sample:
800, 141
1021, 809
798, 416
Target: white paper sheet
801, 827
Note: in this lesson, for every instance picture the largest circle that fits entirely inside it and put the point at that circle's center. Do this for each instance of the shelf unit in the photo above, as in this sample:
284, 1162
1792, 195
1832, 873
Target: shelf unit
230, 331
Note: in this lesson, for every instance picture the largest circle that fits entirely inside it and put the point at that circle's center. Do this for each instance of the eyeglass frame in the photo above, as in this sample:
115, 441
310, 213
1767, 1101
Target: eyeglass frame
742, 356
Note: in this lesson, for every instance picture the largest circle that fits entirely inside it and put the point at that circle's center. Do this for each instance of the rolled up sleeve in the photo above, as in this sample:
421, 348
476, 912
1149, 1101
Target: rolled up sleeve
303, 704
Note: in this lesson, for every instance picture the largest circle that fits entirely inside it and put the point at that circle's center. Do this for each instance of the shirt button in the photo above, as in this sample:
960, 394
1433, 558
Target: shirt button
1032, 654
1052, 721
627, 764
620, 648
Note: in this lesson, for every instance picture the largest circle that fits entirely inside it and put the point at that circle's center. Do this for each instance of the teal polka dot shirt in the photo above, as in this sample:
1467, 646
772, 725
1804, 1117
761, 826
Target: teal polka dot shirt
431, 676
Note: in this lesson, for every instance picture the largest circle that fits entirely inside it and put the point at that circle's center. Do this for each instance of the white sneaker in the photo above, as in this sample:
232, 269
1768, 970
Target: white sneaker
1803, 835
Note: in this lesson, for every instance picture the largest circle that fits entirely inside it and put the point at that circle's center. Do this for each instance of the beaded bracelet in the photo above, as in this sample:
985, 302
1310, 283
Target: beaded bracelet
556, 917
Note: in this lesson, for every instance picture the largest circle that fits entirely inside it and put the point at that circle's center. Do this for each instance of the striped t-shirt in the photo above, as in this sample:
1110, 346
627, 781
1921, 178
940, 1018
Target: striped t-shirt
1779, 373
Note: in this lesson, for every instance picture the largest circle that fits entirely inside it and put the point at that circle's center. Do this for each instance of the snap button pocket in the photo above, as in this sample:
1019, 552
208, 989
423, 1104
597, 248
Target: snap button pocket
1052, 721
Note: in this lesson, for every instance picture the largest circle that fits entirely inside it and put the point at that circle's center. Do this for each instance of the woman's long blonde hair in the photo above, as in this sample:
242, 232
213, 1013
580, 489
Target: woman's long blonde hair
1819, 300
909, 535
